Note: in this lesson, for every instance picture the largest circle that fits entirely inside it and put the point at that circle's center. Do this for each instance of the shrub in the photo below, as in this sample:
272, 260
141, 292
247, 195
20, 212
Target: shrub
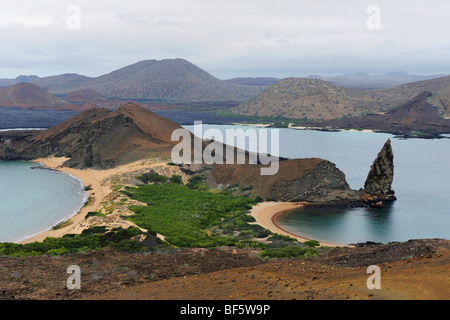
151, 176
312, 243
187, 171
277, 236
93, 238
176, 179
94, 214
195, 181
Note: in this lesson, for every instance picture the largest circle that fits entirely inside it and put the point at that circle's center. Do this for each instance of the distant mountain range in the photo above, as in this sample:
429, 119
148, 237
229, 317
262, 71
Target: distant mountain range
357, 80
363, 80
316, 99
10, 82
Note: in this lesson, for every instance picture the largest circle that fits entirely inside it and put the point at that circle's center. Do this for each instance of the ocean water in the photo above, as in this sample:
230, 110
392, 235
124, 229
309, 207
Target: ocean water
34, 200
421, 183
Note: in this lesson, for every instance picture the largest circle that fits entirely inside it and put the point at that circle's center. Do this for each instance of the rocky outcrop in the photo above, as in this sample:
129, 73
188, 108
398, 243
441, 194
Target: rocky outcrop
96, 138
378, 185
313, 180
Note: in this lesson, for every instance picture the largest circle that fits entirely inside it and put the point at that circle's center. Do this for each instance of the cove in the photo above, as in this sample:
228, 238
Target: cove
34, 199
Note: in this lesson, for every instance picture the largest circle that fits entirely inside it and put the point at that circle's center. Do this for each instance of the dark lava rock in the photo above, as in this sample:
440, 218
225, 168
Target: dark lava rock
378, 185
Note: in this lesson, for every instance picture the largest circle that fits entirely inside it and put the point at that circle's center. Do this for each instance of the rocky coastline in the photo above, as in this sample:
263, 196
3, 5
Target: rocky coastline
417, 118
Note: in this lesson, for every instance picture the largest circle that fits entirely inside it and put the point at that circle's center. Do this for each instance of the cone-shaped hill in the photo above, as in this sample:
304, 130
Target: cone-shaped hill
97, 138
27, 95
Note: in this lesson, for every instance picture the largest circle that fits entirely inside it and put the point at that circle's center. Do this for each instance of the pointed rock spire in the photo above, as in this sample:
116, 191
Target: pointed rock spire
378, 185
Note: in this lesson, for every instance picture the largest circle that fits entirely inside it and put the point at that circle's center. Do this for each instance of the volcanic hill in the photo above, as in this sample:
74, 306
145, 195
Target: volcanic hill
27, 94
168, 80
97, 138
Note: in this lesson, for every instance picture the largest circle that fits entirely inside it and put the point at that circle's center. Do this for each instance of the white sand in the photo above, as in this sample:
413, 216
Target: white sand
265, 214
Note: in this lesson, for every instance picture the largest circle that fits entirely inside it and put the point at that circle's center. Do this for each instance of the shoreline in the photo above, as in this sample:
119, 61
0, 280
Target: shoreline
395, 134
95, 196
290, 126
265, 214
64, 219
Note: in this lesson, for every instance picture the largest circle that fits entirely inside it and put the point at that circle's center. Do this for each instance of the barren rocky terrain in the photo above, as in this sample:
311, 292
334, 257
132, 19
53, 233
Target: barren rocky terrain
315, 99
412, 270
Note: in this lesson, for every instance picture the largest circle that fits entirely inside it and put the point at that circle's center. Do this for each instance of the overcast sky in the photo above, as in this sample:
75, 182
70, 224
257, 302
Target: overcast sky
228, 38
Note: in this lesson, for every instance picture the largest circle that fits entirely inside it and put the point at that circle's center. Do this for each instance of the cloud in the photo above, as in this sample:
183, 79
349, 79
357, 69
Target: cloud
227, 38
14, 21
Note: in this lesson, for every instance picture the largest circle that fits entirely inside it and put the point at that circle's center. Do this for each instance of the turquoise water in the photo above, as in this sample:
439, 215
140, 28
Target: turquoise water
421, 183
34, 200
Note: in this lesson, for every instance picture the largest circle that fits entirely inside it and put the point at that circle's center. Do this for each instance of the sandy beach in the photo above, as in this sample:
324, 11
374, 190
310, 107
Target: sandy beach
89, 177
265, 214
99, 190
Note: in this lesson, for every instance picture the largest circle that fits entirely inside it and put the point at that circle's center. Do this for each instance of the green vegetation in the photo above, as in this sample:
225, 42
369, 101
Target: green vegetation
194, 217
419, 133
94, 238
61, 225
189, 216
312, 243
196, 182
154, 177
94, 214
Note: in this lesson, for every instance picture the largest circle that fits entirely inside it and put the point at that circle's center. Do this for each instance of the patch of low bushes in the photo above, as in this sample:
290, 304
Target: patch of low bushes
94, 238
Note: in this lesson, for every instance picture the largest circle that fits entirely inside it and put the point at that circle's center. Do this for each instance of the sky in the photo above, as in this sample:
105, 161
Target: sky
227, 38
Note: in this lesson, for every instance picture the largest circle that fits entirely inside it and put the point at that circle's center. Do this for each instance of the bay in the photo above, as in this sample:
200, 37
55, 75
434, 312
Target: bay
35, 200
421, 183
